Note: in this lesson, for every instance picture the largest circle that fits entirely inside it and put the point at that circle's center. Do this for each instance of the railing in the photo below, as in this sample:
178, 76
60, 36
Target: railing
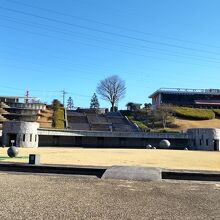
215, 91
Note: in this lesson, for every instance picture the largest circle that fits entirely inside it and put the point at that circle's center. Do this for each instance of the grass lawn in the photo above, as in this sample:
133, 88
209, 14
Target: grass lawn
170, 159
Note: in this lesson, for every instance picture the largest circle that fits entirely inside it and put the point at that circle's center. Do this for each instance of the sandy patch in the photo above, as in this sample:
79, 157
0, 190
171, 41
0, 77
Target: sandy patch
170, 159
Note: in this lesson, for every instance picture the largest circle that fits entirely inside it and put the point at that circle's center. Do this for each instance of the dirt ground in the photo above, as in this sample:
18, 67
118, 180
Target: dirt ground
170, 159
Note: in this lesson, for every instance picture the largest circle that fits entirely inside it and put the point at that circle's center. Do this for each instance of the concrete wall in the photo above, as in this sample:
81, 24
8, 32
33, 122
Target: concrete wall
24, 134
204, 139
68, 132
51, 137
28, 134
28, 105
111, 142
23, 111
0, 137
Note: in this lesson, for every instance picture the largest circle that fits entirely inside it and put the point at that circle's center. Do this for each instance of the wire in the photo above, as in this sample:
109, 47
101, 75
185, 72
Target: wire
110, 25
91, 45
141, 47
106, 32
43, 91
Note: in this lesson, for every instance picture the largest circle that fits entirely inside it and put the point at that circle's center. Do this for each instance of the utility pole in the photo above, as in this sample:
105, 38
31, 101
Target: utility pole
64, 96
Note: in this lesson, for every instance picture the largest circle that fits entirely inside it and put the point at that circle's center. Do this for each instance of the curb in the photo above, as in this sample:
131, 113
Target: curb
115, 172
191, 175
55, 169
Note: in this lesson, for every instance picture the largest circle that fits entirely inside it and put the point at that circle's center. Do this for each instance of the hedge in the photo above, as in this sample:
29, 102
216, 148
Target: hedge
58, 119
165, 130
194, 113
217, 112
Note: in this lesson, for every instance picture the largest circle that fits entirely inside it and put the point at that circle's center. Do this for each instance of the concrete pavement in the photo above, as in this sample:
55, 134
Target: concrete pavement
26, 196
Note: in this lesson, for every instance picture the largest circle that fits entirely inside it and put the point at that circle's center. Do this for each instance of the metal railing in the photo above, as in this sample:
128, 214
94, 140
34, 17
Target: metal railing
210, 91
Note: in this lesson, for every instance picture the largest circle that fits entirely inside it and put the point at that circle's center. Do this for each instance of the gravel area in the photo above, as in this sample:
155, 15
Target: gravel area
27, 196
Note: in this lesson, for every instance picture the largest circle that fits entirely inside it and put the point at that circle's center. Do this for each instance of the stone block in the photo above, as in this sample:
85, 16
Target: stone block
34, 159
133, 173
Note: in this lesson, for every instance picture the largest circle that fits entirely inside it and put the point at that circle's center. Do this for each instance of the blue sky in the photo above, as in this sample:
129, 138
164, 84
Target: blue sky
49, 45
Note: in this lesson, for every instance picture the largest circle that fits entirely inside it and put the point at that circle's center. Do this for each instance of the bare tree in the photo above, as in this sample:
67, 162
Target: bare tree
112, 89
165, 113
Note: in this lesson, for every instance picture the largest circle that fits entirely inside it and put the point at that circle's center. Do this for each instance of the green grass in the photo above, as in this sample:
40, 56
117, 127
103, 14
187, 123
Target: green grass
194, 113
12, 158
140, 124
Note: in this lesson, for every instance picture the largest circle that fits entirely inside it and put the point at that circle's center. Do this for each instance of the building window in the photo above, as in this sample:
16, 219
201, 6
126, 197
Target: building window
207, 142
30, 137
23, 137
35, 138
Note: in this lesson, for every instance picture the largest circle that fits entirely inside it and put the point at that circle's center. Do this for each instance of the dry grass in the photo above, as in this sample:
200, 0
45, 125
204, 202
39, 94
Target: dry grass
170, 159
185, 124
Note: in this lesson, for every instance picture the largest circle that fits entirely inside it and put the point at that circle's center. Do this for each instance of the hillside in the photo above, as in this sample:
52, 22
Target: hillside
184, 124
178, 119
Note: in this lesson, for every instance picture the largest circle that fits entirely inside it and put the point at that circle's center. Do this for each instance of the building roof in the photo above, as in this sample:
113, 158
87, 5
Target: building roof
185, 91
17, 97
133, 103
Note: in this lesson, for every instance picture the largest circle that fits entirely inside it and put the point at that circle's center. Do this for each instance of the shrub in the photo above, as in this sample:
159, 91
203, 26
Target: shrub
140, 124
217, 112
125, 112
194, 113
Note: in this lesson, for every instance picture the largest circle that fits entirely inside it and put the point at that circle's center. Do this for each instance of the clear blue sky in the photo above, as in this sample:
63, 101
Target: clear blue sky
50, 45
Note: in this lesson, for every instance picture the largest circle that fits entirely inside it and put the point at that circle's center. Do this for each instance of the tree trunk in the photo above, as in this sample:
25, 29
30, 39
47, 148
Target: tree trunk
164, 122
113, 107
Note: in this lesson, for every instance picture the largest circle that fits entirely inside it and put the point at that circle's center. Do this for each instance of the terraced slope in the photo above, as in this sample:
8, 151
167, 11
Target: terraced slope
112, 121
45, 118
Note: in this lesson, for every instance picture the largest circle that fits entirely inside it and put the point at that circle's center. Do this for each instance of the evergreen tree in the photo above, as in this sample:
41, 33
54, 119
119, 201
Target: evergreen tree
56, 104
70, 103
58, 114
94, 103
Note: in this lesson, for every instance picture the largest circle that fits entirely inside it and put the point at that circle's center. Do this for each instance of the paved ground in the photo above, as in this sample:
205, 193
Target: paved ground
170, 159
70, 197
